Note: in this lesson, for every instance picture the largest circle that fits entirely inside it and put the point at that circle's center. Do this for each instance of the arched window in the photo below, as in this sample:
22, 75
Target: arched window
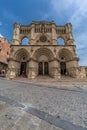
60, 41
25, 41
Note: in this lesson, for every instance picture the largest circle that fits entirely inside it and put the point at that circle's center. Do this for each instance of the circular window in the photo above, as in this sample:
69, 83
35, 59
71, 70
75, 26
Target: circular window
43, 38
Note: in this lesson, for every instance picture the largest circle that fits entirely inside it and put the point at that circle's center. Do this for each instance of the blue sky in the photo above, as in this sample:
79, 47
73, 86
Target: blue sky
60, 11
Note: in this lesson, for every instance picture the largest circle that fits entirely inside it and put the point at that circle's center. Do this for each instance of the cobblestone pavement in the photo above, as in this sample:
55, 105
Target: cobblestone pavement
37, 106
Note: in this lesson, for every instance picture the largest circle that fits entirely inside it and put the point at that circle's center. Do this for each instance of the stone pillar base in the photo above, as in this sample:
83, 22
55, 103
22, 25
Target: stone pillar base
11, 74
57, 76
56, 73
32, 73
31, 76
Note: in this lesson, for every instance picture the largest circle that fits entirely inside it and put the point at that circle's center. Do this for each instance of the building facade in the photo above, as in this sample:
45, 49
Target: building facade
44, 53
4, 55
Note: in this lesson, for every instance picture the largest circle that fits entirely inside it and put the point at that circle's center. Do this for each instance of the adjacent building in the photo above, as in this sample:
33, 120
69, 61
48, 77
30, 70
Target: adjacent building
43, 48
4, 55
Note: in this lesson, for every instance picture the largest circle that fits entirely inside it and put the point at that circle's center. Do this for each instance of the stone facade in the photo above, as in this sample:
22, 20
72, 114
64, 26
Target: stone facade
43, 54
4, 54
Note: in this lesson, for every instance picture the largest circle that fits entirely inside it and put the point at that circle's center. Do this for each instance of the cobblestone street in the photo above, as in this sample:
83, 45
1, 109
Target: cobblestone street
42, 106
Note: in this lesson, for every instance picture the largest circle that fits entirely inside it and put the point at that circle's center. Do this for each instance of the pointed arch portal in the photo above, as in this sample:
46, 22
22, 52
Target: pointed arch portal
43, 65
43, 68
63, 68
43, 56
22, 56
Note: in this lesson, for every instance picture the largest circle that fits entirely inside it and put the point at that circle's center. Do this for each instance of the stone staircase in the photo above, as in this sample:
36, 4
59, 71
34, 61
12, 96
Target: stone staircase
46, 80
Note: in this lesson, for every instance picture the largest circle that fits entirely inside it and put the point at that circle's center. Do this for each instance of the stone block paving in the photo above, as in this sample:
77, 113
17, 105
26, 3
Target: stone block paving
65, 105
12, 118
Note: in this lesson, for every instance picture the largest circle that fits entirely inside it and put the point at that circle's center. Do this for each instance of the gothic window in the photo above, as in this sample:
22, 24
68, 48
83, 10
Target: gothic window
60, 41
25, 41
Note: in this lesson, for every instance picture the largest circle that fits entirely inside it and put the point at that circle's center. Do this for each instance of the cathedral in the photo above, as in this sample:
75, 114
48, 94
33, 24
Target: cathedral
49, 50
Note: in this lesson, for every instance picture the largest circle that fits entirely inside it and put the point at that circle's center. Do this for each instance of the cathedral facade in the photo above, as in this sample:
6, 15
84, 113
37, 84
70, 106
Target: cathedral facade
44, 53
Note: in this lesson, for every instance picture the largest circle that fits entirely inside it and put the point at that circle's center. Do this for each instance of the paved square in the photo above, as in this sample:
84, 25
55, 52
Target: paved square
34, 105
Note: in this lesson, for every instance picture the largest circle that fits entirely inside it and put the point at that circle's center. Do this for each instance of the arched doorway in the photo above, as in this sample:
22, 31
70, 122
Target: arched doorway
22, 57
63, 68
43, 56
43, 68
23, 66
65, 57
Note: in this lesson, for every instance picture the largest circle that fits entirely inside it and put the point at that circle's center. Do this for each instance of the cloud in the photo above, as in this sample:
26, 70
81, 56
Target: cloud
45, 16
83, 61
81, 44
81, 39
75, 10
80, 13
1, 35
59, 5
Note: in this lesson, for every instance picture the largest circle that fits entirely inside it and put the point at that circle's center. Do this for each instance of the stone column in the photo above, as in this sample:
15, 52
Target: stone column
72, 66
54, 69
16, 33
32, 34
54, 37
69, 35
32, 69
11, 72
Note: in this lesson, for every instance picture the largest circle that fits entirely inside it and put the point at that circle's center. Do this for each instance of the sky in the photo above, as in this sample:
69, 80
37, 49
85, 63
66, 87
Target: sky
60, 11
